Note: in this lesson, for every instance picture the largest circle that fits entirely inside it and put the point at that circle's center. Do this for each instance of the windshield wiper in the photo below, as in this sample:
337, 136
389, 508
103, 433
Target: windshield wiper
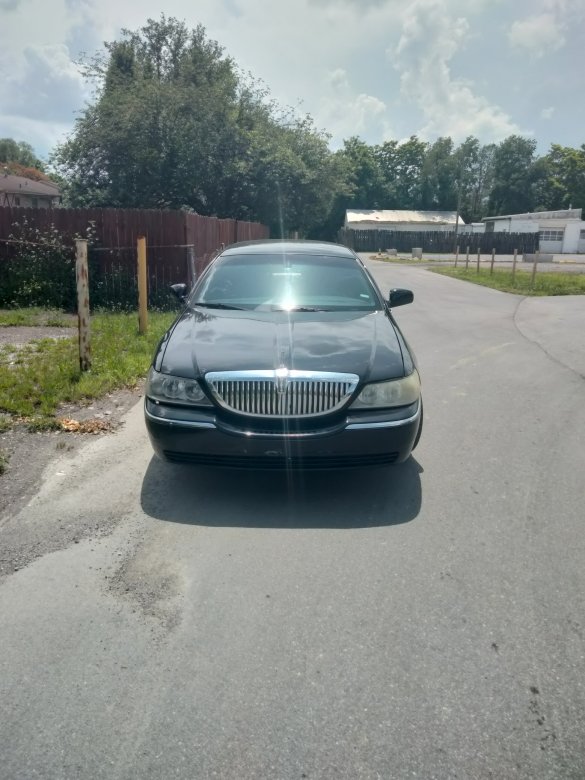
299, 308
205, 305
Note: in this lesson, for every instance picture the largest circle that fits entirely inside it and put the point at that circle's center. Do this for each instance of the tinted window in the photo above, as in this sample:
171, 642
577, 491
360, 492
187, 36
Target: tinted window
288, 282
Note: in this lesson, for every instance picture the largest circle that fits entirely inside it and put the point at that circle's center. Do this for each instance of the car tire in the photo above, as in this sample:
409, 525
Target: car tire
420, 426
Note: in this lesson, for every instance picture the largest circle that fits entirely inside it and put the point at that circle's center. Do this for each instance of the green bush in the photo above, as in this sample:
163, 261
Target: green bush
40, 271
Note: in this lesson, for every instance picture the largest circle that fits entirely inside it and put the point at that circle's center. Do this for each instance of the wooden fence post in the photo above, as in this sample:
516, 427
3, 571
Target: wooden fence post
478, 257
456, 255
514, 265
82, 280
467, 259
492, 263
142, 286
534, 265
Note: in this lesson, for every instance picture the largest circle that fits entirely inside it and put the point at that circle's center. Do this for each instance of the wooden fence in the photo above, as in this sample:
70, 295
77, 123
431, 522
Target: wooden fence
172, 239
119, 228
438, 241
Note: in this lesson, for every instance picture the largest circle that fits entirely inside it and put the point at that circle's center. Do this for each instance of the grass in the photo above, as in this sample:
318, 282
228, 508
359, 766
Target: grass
3, 461
545, 283
35, 317
37, 378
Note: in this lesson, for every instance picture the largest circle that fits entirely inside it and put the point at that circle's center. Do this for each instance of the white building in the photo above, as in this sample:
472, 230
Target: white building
559, 232
472, 227
416, 221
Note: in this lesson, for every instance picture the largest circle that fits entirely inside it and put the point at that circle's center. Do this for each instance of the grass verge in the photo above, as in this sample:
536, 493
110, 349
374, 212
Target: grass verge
36, 379
545, 283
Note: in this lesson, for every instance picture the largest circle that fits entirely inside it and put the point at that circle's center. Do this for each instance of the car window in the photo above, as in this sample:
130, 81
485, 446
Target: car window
288, 282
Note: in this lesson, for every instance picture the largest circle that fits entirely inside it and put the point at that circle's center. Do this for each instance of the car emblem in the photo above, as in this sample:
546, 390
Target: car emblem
281, 377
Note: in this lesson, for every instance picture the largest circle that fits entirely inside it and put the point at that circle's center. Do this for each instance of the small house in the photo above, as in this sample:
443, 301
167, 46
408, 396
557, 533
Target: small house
20, 191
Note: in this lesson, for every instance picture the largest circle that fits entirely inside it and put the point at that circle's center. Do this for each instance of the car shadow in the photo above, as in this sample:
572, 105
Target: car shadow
178, 493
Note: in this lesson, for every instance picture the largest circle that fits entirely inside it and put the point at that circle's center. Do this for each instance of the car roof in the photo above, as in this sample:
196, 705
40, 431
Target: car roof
289, 247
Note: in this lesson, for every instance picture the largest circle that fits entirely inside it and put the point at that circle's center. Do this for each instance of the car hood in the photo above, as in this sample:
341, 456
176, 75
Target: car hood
361, 343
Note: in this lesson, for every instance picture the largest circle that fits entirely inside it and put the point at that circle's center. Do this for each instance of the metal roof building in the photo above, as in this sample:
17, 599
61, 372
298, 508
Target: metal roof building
400, 219
561, 231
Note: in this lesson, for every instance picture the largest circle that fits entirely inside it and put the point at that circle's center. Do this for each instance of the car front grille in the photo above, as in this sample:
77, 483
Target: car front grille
281, 393
274, 463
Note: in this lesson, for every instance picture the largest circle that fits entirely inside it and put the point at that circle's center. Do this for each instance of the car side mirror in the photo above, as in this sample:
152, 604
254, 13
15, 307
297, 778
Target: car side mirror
399, 297
180, 291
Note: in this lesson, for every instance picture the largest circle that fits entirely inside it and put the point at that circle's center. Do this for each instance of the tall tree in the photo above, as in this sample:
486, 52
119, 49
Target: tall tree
165, 100
408, 159
513, 188
561, 179
474, 175
19, 152
175, 125
438, 177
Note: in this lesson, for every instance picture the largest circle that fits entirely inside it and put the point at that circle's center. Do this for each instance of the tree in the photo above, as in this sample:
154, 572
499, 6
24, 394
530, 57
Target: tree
174, 124
438, 177
474, 175
561, 178
165, 100
402, 171
513, 189
20, 152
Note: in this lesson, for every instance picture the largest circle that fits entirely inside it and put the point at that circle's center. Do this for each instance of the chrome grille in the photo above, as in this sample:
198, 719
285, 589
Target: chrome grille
281, 393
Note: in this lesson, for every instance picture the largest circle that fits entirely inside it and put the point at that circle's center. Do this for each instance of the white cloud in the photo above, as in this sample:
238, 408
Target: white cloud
328, 56
430, 39
540, 34
48, 87
346, 113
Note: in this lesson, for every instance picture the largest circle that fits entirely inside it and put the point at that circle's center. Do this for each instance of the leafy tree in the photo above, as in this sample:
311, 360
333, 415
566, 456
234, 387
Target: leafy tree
356, 175
365, 182
408, 172
438, 177
174, 124
561, 178
513, 190
20, 152
164, 103
474, 174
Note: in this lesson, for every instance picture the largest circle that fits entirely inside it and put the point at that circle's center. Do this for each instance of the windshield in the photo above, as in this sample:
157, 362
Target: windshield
297, 282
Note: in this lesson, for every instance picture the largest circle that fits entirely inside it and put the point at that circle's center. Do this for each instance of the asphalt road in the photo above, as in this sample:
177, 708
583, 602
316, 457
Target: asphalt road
422, 621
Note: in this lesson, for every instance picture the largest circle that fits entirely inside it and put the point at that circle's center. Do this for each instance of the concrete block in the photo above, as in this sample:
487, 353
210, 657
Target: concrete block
542, 258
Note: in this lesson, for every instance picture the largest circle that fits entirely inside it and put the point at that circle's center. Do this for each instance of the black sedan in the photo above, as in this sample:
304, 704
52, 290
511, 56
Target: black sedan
286, 355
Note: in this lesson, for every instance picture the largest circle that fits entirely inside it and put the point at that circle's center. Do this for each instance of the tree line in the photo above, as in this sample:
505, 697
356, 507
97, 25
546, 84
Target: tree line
174, 123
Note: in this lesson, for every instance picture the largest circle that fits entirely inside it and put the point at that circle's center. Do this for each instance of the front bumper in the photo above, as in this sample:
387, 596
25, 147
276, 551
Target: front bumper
202, 437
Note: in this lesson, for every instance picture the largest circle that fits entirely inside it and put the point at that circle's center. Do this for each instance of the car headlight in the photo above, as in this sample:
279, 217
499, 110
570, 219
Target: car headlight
397, 392
166, 387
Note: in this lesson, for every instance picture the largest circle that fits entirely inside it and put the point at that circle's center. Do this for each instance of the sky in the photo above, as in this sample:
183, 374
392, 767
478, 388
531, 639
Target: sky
378, 69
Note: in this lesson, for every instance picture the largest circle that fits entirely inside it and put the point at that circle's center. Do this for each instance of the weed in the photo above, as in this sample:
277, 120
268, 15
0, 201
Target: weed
46, 373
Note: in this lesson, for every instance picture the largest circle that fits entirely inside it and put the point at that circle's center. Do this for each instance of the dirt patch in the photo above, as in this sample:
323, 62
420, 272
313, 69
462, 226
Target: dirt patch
21, 334
30, 453
25, 454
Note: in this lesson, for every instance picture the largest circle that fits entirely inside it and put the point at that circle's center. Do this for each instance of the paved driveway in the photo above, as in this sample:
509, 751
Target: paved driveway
422, 621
